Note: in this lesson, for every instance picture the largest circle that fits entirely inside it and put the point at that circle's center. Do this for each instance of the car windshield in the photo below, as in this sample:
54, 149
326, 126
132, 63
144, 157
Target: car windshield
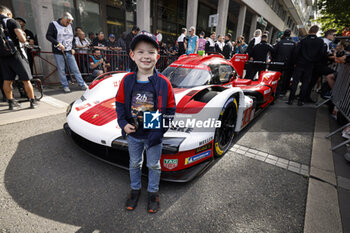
185, 77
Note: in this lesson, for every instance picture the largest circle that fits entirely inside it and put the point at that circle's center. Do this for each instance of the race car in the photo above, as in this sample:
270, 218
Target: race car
213, 103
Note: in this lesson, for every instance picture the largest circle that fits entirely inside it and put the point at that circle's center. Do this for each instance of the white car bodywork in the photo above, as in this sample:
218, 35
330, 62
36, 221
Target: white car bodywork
105, 134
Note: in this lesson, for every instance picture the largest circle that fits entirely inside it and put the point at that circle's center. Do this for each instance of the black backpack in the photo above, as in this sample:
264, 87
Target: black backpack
7, 47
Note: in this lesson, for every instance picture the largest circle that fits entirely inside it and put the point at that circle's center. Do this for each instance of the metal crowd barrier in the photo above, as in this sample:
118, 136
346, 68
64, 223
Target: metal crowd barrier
341, 98
118, 60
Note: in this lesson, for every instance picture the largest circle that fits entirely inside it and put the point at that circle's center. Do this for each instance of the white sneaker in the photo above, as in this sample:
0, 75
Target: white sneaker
84, 87
66, 89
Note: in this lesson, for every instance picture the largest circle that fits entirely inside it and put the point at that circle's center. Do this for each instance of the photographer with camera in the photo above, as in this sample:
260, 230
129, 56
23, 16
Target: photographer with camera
241, 46
13, 59
98, 63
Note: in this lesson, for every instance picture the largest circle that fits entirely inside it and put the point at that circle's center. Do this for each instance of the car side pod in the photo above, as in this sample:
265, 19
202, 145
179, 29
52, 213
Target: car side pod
171, 145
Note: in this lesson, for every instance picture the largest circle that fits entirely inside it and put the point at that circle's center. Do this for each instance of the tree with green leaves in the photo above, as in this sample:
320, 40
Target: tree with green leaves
333, 14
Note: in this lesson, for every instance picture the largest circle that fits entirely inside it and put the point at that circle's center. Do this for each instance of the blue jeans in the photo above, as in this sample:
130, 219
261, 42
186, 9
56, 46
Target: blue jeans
61, 65
136, 148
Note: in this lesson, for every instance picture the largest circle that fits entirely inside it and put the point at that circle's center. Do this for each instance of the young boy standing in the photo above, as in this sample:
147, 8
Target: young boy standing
143, 91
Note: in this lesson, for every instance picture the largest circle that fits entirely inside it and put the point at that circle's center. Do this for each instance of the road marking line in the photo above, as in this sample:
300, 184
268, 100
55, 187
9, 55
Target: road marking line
301, 169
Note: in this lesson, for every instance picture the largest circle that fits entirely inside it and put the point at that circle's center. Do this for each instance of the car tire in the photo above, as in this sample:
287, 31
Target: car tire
225, 134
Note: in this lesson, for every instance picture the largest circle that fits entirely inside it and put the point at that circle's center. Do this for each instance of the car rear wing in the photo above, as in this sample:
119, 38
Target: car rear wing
238, 61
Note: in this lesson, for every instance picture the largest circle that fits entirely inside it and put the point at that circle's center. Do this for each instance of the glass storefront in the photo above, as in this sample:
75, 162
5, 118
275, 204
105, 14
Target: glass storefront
232, 19
89, 16
247, 25
120, 17
115, 20
23, 8
204, 10
168, 17
61, 6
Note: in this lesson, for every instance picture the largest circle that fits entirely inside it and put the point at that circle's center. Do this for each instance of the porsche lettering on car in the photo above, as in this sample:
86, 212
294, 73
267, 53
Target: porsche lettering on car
213, 103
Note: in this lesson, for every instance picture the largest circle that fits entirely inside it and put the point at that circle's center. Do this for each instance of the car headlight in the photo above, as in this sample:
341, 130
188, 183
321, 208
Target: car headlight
69, 109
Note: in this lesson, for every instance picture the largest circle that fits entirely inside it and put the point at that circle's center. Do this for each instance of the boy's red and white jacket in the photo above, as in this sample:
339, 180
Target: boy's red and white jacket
165, 103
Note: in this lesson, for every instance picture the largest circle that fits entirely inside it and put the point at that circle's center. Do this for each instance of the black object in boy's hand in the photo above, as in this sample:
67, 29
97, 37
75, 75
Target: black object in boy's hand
135, 123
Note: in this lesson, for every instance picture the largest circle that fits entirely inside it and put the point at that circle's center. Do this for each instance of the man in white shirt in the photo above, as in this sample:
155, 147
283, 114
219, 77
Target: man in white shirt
181, 41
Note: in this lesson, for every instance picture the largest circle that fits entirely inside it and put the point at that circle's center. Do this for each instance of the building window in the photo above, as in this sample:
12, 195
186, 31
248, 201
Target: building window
232, 18
247, 25
61, 6
168, 18
203, 17
89, 16
115, 20
23, 8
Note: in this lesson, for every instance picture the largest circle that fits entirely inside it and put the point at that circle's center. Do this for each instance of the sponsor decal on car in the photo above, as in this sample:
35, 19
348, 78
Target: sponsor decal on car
206, 141
170, 163
203, 148
83, 107
183, 129
197, 157
267, 91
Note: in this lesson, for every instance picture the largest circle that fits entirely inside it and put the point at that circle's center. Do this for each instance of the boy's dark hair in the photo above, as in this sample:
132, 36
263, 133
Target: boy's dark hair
212, 33
229, 35
183, 30
314, 29
95, 50
264, 36
287, 33
76, 28
329, 31
202, 34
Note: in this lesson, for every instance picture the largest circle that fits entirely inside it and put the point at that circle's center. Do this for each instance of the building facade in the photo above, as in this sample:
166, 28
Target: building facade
238, 17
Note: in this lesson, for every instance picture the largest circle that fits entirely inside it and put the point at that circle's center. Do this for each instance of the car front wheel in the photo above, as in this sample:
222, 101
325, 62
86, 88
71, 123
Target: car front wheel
225, 134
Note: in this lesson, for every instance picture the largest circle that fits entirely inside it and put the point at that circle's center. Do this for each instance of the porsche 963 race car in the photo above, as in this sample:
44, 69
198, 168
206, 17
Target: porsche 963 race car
213, 103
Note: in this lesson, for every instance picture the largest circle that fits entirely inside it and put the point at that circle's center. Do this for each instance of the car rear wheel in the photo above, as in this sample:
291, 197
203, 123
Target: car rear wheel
226, 132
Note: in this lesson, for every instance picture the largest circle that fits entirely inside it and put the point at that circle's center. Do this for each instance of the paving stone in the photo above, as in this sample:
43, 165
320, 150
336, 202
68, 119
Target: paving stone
322, 208
250, 155
272, 157
259, 157
236, 146
294, 164
262, 153
282, 165
281, 160
239, 151
270, 161
294, 169
304, 172
243, 148
253, 151
233, 149
305, 167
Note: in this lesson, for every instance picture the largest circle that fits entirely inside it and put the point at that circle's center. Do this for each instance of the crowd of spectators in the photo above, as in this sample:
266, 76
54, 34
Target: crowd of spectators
96, 53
